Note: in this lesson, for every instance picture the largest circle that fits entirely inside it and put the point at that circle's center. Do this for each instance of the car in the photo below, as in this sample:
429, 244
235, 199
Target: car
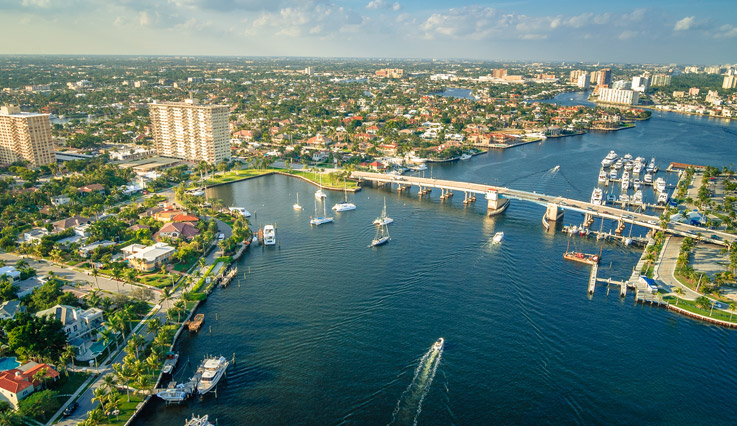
719, 305
652, 222
715, 237
70, 409
221, 236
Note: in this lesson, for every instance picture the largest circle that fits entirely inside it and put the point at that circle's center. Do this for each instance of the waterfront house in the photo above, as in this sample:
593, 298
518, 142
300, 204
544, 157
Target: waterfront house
177, 230
94, 188
18, 383
148, 258
76, 322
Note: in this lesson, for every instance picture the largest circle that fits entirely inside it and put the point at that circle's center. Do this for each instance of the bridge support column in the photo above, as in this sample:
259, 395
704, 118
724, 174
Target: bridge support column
496, 204
553, 213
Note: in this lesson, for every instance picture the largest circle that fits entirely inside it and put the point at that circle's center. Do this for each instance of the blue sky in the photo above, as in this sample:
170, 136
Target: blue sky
677, 31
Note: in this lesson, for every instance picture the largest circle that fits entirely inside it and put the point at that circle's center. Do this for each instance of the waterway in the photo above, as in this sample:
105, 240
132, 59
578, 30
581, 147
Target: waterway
327, 331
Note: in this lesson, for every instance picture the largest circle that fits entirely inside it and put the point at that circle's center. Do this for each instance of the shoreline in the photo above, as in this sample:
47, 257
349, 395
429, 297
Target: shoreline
276, 172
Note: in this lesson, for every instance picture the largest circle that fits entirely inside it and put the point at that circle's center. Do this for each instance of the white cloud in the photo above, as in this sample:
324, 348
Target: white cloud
684, 24
383, 4
626, 35
726, 31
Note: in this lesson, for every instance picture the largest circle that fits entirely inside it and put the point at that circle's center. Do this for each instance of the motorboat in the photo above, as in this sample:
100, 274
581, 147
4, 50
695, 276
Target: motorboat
637, 198
320, 195
629, 165
466, 156
648, 178
624, 198
610, 198
196, 192
602, 176
636, 184
613, 173
240, 210
438, 345
662, 198
297, 206
176, 394
171, 362
498, 237
198, 421
210, 372
651, 165
627, 157
319, 220
625, 182
637, 168
269, 235
596, 196
382, 236
660, 184
383, 219
618, 165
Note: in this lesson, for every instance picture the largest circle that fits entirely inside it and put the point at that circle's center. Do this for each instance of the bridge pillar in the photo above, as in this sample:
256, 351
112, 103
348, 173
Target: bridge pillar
553, 213
496, 204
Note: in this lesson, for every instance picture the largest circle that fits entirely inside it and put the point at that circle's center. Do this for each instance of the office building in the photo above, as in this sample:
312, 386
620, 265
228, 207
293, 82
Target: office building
583, 81
25, 136
191, 131
575, 74
640, 84
730, 82
617, 96
661, 80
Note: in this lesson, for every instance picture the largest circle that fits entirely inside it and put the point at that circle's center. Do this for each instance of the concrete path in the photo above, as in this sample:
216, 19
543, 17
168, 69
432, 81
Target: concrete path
665, 269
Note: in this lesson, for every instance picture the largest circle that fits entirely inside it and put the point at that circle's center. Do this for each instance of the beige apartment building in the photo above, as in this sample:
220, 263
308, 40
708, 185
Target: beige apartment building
191, 131
25, 136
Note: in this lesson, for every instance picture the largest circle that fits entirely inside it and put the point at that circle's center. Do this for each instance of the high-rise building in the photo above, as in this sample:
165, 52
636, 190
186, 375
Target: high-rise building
730, 82
583, 81
25, 136
499, 73
661, 80
575, 74
617, 96
190, 131
640, 84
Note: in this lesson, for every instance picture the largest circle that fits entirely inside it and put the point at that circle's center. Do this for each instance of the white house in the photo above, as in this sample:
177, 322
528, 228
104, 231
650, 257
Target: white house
10, 272
148, 258
76, 322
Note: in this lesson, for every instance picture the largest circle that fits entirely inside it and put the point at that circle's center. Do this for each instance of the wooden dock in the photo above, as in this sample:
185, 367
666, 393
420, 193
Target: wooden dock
195, 324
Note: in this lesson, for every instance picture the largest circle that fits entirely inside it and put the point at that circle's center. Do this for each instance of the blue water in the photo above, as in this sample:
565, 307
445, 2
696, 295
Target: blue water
327, 331
8, 363
455, 92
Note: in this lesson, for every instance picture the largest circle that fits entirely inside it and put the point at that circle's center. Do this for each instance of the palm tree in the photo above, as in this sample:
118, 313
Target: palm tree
124, 374
113, 403
95, 273
40, 376
21, 264
178, 308
131, 276
100, 395
107, 335
152, 361
679, 293
118, 323
165, 295
154, 325
732, 308
109, 381
117, 273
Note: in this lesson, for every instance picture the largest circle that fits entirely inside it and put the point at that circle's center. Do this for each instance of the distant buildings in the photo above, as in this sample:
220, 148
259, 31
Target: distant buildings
603, 77
390, 73
583, 81
730, 82
190, 131
617, 96
660, 80
640, 84
499, 73
576, 74
25, 136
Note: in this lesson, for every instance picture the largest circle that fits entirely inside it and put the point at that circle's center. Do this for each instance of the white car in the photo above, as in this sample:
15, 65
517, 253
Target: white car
221, 236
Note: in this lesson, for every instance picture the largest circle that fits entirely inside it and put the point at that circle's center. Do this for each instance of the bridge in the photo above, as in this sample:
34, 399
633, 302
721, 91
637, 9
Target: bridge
498, 200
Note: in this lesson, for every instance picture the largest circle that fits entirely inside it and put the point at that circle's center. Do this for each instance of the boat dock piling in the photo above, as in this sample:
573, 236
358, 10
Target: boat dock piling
592, 277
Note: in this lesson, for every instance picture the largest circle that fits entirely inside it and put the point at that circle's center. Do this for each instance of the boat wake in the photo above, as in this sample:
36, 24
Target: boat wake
409, 406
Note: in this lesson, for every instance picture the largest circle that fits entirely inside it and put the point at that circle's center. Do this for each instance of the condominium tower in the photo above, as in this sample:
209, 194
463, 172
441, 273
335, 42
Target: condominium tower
190, 131
25, 136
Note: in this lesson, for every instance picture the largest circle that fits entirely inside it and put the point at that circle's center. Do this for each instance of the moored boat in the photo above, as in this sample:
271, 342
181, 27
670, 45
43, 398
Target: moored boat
171, 362
269, 235
198, 421
210, 372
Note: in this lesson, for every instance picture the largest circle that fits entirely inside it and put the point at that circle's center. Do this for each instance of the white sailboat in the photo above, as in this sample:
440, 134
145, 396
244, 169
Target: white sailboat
344, 205
296, 205
383, 219
381, 237
320, 194
319, 220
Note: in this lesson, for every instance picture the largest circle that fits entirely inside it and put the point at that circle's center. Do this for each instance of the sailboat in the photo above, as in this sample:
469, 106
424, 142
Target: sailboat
320, 194
319, 220
381, 237
296, 205
345, 205
383, 219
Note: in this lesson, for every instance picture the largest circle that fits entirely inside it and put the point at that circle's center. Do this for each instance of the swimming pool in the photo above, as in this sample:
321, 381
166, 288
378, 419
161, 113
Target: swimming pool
97, 347
7, 363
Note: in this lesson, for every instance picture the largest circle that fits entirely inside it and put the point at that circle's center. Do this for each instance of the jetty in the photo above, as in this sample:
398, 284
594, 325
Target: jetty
195, 324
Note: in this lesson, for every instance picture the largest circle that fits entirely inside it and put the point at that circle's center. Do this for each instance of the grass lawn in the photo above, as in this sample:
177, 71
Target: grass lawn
67, 385
126, 410
690, 306
156, 280
327, 179
184, 267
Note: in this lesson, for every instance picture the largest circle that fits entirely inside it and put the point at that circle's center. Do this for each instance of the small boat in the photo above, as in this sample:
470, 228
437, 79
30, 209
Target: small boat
618, 165
195, 324
628, 165
662, 198
596, 196
438, 345
602, 176
196, 192
319, 220
576, 256
610, 198
171, 362
613, 174
381, 237
556, 168
383, 219
660, 184
297, 206
269, 235
176, 394
627, 157
638, 168
624, 198
648, 178
651, 166
465, 156
636, 184
210, 372
637, 198
198, 421
344, 205
498, 237
320, 194
243, 212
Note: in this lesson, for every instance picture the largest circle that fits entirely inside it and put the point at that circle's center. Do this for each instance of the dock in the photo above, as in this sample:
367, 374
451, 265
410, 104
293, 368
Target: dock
195, 324
227, 278
592, 277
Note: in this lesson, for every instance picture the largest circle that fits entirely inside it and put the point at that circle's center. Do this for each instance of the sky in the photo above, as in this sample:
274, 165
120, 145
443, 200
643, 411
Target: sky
622, 31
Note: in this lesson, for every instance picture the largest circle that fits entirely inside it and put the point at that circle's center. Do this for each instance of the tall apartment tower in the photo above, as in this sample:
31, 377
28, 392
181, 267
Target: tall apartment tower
25, 136
190, 131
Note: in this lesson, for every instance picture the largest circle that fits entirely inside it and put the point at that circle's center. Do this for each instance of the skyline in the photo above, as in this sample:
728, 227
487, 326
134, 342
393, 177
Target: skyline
506, 31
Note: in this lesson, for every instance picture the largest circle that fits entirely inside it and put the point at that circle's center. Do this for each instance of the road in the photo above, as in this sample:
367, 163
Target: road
666, 268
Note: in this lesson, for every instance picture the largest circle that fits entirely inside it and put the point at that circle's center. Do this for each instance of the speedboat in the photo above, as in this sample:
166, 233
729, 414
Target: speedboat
439, 344
176, 394
636, 184
651, 166
610, 198
269, 235
198, 421
602, 176
243, 212
498, 237
618, 165
196, 193
210, 372
660, 184
171, 361
596, 196
466, 156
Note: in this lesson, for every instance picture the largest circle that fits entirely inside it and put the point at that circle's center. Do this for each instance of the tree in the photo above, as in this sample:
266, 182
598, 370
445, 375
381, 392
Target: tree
99, 395
124, 374
38, 404
8, 291
732, 308
39, 377
679, 293
176, 309
30, 336
95, 273
10, 418
154, 325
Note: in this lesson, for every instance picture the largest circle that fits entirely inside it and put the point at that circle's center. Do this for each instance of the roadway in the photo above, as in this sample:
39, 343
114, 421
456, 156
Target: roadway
607, 212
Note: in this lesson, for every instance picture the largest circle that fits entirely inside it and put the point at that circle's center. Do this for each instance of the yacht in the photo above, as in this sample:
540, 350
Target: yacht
269, 235
210, 372
637, 198
602, 176
198, 421
381, 237
625, 182
596, 196
637, 168
319, 220
648, 178
627, 157
651, 166
629, 165
636, 184
171, 361
320, 194
624, 198
344, 205
383, 219
498, 237
612, 156
176, 394
297, 206
618, 165
613, 173
196, 192
466, 156
421, 168
662, 198
243, 212
660, 184
439, 344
